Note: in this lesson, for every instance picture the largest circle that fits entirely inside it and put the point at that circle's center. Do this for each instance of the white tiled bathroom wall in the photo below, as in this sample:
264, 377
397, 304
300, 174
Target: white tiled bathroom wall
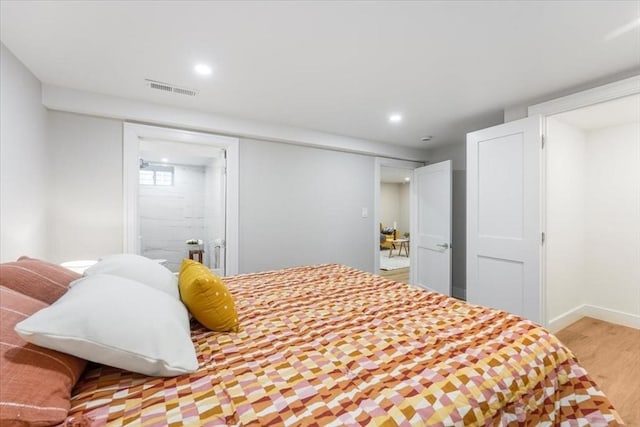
169, 215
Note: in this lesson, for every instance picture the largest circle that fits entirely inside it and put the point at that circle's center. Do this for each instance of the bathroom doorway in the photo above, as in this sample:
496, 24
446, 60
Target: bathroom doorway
181, 204
181, 197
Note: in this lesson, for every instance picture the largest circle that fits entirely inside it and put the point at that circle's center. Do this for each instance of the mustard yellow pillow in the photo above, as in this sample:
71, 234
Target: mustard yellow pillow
206, 297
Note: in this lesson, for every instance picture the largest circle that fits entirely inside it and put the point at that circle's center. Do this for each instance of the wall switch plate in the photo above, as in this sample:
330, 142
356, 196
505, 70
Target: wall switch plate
365, 213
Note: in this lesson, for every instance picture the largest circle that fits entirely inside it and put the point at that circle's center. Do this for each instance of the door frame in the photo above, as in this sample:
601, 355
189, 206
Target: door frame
604, 93
608, 92
380, 162
132, 133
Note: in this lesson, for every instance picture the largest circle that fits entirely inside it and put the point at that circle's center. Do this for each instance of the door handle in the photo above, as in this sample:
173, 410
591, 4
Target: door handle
443, 245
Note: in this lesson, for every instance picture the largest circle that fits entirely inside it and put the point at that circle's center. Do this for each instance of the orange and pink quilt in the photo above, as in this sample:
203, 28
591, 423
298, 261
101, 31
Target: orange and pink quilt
332, 345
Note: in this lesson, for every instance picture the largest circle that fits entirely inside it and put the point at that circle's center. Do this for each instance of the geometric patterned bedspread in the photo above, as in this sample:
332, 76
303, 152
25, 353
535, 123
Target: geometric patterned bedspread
331, 345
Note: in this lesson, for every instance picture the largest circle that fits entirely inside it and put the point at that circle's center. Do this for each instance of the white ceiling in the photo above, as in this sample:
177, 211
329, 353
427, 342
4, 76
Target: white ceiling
612, 113
338, 67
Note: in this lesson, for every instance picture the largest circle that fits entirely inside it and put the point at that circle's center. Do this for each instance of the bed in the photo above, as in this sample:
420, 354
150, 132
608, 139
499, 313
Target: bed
332, 345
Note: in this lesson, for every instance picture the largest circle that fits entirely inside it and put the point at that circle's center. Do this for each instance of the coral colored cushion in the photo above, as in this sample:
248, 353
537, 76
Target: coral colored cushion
207, 297
35, 383
117, 322
38, 279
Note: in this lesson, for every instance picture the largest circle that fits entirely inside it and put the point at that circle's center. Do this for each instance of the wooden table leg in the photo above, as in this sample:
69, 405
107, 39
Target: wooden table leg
404, 245
196, 253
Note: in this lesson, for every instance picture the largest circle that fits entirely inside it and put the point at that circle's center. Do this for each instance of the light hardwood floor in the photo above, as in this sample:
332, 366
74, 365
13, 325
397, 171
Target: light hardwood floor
611, 355
399, 275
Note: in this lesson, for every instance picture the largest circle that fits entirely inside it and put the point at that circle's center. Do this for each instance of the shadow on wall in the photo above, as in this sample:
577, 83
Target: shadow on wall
459, 225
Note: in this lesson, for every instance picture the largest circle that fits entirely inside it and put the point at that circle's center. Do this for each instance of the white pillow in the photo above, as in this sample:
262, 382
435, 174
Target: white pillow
137, 267
117, 322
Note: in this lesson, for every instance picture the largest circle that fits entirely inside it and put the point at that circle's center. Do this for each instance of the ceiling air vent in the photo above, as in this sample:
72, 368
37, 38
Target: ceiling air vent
167, 87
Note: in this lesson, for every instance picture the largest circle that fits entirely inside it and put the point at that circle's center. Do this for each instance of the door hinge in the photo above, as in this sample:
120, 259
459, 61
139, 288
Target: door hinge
542, 238
542, 141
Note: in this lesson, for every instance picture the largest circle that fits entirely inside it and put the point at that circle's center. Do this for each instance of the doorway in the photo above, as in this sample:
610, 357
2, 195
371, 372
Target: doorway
392, 219
592, 213
394, 223
181, 196
511, 220
181, 204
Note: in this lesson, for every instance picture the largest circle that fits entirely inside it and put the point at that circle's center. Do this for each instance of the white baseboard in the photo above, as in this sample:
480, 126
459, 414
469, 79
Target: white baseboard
613, 316
566, 319
600, 313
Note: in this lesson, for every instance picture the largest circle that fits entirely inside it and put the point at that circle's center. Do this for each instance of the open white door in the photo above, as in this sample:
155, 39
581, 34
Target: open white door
431, 227
503, 217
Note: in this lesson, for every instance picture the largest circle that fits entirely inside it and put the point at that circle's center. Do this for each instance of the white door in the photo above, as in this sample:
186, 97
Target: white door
431, 227
503, 217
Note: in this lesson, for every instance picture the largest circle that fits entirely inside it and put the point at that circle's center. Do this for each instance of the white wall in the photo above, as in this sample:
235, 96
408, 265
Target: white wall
459, 232
612, 221
23, 162
82, 102
565, 212
85, 186
298, 205
169, 215
389, 204
302, 205
394, 206
457, 154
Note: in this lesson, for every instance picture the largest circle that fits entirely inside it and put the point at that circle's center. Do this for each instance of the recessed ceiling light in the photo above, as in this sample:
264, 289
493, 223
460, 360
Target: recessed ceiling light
165, 160
407, 179
395, 118
202, 69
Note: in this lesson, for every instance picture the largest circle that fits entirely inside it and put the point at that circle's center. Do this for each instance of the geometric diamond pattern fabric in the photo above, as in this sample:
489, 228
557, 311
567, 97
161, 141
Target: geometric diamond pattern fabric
331, 345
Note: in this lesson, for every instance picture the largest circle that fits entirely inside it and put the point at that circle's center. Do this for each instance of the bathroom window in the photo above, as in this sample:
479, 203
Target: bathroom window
161, 176
146, 177
164, 177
